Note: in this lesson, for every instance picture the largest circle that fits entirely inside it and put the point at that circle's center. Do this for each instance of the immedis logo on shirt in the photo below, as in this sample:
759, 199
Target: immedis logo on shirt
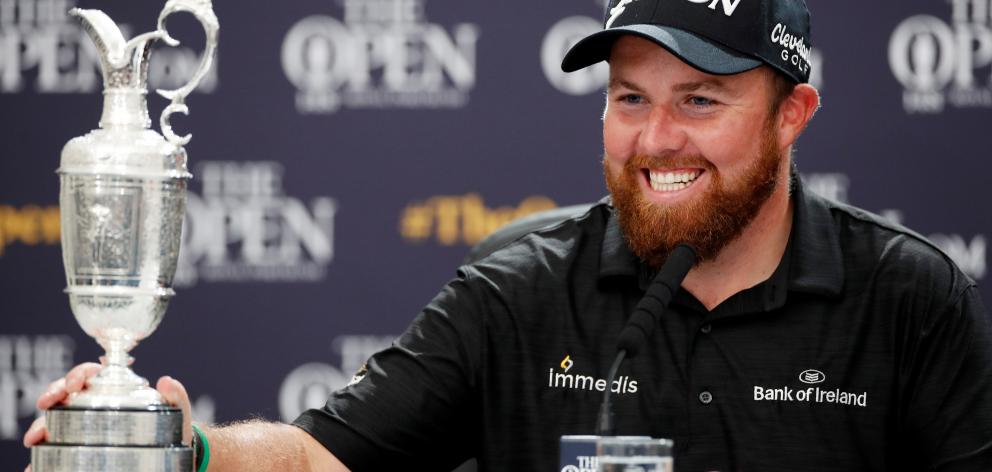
812, 389
559, 377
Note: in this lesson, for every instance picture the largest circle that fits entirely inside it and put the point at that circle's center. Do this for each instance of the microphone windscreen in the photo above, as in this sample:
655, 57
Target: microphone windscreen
656, 299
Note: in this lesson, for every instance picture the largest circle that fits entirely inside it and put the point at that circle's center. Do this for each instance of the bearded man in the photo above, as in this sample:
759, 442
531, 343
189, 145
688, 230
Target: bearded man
810, 336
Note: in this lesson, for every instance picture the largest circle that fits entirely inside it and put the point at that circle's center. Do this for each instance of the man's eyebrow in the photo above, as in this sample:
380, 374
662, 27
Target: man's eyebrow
714, 85
615, 83
709, 84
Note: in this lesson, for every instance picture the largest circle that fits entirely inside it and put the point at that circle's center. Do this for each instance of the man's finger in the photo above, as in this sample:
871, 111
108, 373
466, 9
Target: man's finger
175, 394
53, 395
75, 380
37, 433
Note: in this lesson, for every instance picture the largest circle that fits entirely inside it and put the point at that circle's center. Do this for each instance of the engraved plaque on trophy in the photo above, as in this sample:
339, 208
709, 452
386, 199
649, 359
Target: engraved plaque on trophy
122, 200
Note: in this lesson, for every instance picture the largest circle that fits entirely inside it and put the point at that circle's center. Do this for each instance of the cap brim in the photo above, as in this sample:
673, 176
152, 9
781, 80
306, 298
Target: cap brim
700, 53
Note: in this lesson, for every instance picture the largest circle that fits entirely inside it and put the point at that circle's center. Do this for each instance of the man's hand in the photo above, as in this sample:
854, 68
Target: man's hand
172, 392
247, 446
55, 394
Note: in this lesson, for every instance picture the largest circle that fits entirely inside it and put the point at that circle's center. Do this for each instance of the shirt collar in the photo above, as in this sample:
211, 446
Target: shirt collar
817, 265
616, 258
812, 262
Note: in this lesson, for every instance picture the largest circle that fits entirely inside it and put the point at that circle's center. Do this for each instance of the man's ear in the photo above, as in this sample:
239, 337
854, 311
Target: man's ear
795, 112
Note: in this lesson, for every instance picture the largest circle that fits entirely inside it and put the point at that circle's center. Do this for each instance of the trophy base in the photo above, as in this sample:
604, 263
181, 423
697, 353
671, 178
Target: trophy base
151, 426
66, 458
112, 440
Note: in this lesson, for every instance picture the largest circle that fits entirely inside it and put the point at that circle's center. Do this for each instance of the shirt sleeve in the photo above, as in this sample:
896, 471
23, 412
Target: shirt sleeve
413, 408
949, 407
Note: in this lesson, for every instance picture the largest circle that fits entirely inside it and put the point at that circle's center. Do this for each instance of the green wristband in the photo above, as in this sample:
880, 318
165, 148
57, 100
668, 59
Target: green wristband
204, 460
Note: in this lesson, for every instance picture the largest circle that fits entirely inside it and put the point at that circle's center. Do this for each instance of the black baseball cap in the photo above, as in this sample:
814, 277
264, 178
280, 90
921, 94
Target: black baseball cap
719, 37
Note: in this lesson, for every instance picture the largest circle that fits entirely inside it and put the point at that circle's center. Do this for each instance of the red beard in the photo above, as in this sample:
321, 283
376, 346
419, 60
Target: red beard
709, 222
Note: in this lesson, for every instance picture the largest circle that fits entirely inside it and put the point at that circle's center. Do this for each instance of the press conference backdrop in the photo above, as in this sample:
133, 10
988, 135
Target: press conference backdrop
347, 153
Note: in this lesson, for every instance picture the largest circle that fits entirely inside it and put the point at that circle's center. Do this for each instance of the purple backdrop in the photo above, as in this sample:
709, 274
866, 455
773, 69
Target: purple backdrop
347, 153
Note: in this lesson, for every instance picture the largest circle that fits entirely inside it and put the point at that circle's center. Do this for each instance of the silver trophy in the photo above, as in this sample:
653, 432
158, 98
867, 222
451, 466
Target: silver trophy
123, 198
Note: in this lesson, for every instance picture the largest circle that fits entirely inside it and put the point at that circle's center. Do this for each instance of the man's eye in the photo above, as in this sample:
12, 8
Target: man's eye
701, 102
632, 99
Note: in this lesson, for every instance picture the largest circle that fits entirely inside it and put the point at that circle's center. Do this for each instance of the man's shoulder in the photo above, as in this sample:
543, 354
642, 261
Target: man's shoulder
576, 238
889, 250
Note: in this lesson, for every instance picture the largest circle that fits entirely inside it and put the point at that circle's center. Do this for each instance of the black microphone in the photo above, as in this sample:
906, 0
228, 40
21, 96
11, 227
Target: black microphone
641, 324
656, 299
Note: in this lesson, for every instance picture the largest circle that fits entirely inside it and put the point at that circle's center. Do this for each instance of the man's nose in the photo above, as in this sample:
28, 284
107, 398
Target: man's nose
662, 133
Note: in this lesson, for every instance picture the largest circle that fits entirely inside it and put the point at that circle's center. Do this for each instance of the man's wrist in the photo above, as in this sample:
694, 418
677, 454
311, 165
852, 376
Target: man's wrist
201, 450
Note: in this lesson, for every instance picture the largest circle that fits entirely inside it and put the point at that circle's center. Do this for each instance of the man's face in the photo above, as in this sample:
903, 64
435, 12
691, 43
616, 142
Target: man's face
689, 157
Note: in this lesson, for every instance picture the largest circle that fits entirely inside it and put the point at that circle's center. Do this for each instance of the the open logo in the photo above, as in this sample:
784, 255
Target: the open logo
812, 377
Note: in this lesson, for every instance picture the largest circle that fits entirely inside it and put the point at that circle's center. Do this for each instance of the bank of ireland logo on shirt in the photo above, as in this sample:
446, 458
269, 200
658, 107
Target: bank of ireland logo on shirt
812, 377
814, 392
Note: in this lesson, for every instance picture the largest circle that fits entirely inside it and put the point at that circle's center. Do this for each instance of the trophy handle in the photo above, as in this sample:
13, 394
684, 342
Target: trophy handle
203, 11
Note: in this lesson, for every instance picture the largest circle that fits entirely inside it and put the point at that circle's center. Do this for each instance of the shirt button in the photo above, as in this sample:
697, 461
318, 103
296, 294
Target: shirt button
706, 328
705, 397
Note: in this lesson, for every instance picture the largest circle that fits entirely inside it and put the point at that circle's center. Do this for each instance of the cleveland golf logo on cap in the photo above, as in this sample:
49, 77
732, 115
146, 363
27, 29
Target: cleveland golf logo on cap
795, 50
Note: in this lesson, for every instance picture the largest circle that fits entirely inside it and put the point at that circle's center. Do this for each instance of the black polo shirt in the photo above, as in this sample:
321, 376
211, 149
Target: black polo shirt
867, 349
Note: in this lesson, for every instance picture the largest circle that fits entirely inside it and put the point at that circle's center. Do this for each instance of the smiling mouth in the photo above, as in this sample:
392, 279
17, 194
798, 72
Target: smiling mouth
672, 181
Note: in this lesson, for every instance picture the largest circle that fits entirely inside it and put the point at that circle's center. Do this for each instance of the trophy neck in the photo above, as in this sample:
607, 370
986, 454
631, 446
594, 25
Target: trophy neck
125, 108
116, 385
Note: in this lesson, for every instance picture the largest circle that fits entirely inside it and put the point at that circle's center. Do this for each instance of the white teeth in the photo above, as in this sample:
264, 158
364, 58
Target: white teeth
671, 181
663, 187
